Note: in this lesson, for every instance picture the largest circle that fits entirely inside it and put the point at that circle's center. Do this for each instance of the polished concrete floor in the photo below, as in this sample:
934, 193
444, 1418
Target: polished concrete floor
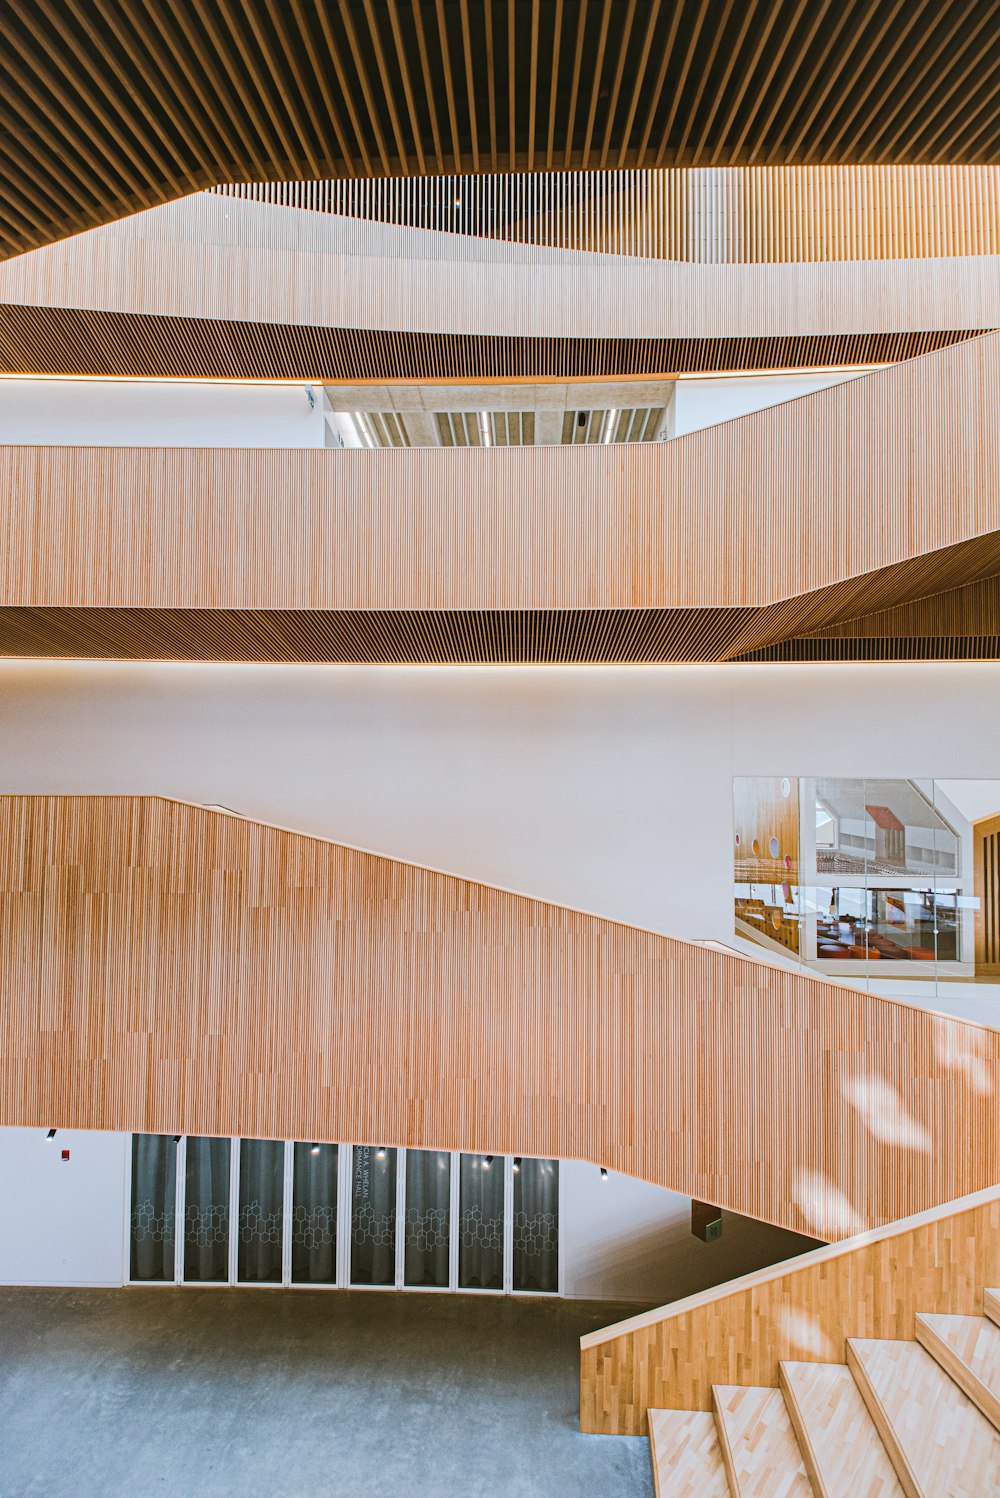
299, 1394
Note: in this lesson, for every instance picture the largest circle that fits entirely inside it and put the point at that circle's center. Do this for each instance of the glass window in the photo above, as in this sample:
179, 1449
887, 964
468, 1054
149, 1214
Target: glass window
206, 1210
154, 1197
428, 1211
373, 1215
262, 1189
314, 1214
480, 1243
536, 1225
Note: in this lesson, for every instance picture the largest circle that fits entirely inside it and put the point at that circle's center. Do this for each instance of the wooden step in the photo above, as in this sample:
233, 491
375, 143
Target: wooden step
967, 1347
940, 1444
759, 1448
687, 1458
991, 1305
842, 1450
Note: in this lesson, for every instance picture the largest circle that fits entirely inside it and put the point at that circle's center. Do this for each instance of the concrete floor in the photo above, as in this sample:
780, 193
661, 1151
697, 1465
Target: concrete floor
299, 1394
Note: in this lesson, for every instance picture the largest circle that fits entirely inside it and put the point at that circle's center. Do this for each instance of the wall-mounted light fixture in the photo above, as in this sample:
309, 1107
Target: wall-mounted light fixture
380, 1152
517, 1163
51, 1134
604, 1173
314, 1149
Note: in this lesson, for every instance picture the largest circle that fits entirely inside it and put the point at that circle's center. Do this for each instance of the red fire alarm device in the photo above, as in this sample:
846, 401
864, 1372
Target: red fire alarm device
65, 1154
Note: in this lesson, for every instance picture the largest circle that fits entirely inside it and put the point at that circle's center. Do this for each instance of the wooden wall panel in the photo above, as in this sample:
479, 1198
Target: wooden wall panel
232, 261
803, 1310
168, 968
105, 112
708, 215
871, 494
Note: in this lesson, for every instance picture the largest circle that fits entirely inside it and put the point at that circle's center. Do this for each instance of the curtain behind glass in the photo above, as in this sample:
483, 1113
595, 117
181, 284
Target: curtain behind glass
206, 1210
536, 1225
262, 1190
480, 1243
428, 1202
314, 1215
154, 1195
373, 1216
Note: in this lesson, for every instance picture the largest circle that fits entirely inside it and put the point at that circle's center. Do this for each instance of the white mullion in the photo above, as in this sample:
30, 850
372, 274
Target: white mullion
345, 1166
180, 1193
560, 1259
453, 1219
508, 1224
287, 1205
127, 1245
234, 1207
400, 1215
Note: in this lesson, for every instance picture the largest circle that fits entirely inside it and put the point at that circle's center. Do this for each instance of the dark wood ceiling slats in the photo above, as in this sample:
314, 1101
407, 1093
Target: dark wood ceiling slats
121, 104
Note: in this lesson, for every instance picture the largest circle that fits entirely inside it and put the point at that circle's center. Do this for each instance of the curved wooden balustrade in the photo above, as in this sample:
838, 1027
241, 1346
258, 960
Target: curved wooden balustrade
108, 111
223, 288
854, 501
168, 968
869, 1285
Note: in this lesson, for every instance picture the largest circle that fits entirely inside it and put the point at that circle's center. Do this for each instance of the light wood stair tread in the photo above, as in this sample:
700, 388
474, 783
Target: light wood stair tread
967, 1347
758, 1444
687, 1458
932, 1431
842, 1449
991, 1305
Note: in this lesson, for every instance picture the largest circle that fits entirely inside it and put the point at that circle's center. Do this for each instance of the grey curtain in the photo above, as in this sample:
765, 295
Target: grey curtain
154, 1187
314, 1215
373, 1216
262, 1185
480, 1244
206, 1210
428, 1199
536, 1225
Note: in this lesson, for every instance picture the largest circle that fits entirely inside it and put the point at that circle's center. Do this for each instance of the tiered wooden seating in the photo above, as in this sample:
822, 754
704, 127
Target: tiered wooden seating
918, 1418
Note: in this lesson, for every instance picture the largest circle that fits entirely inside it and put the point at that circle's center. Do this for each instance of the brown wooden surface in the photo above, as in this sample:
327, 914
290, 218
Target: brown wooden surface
107, 109
172, 969
875, 492
801, 1311
728, 214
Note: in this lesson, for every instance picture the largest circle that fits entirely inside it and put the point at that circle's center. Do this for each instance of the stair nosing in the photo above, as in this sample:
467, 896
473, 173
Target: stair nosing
883, 1424
961, 1373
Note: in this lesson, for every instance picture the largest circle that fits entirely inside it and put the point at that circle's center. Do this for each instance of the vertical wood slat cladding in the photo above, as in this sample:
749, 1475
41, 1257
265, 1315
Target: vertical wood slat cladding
805, 1311
172, 969
743, 215
876, 491
295, 275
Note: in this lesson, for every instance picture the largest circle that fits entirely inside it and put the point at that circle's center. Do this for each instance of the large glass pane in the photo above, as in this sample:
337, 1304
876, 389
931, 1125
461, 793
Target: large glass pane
154, 1197
314, 1214
206, 1210
262, 1182
373, 1215
480, 1243
536, 1225
428, 1197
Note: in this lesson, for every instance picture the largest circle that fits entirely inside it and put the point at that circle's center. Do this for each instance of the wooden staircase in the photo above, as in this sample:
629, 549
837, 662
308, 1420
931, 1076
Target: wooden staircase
918, 1418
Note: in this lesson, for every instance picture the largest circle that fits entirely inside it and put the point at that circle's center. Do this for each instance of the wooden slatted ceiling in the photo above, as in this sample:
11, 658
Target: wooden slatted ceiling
803, 1310
870, 494
116, 105
169, 968
726, 215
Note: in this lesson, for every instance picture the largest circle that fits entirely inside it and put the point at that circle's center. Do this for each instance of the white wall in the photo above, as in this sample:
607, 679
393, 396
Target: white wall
703, 403
622, 1239
155, 413
608, 789
62, 1221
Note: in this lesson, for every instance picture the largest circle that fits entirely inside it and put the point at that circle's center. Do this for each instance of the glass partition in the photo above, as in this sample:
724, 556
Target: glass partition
427, 1218
373, 1215
481, 1204
314, 1214
154, 1202
536, 1225
206, 1210
262, 1189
